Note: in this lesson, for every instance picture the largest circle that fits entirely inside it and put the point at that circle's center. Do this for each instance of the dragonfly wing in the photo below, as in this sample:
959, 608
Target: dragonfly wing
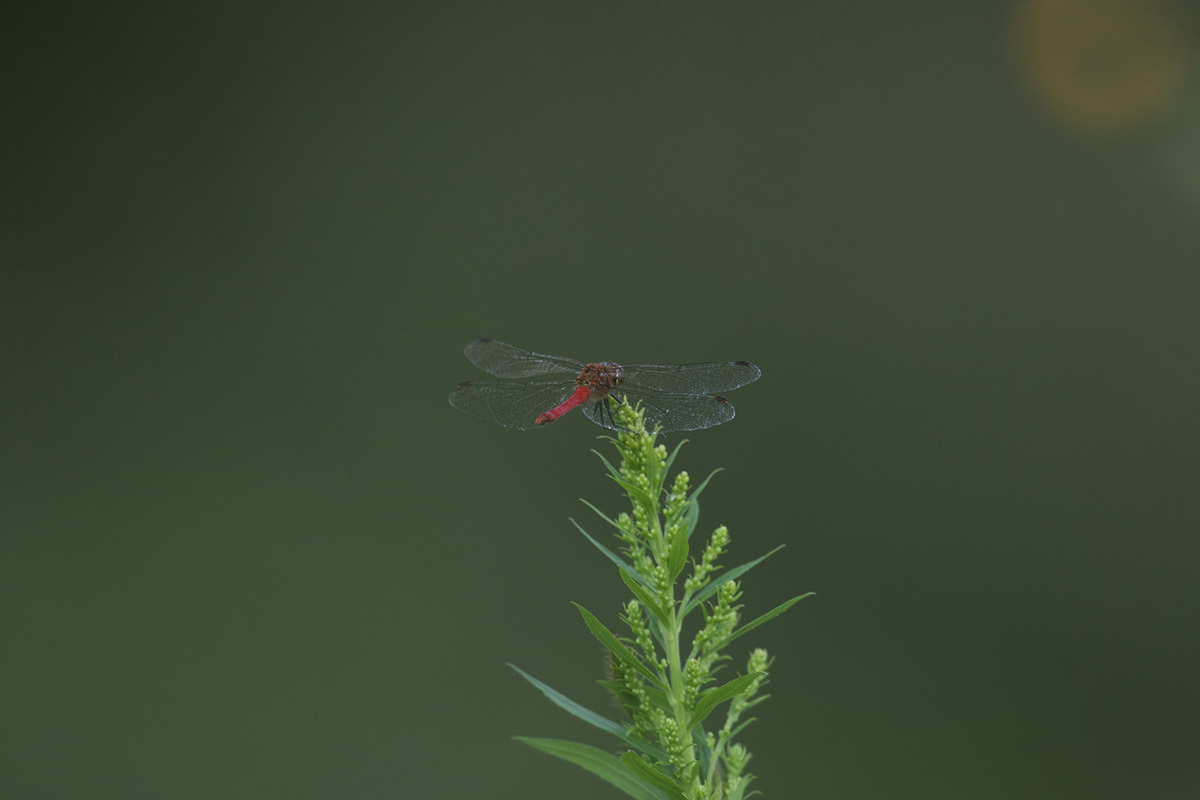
701, 379
511, 404
505, 361
679, 412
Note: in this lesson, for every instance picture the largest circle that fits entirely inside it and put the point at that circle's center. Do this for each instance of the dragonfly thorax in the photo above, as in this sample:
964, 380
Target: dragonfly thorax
601, 378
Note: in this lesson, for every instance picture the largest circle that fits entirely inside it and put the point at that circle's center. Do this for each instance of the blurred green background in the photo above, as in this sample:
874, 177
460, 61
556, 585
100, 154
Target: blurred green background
248, 550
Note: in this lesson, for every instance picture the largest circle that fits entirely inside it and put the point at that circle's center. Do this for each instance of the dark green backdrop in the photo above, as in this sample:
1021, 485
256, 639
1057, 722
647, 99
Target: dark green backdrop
247, 550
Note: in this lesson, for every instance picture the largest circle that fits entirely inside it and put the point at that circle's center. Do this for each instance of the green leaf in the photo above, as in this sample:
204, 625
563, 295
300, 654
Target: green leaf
749, 626
613, 472
638, 766
641, 497
747, 779
709, 590
711, 698
671, 458
696, 492
691, 516
618, 649
653, 476
758, 698
677, 557
591, 717
601, 514
616, 473
596, 761
616, 559
644, 596
733, 733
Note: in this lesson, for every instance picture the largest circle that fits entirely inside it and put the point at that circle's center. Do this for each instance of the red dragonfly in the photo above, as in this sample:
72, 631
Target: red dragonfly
539, 389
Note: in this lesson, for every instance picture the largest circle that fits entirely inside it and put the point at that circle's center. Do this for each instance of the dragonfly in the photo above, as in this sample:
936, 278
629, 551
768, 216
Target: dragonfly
536, 389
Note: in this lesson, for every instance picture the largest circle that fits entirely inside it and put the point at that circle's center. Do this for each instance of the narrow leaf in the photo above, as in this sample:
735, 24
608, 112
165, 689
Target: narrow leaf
616, 559
618, 649
774, 612
677, 556
758, 698
733, 733
710, 699
591, 717
638, 766
596, 761
747, 780
696, 492
691, 515
709, 590
639, 496
616, 473
601, 514
671, 458
644, 596
654, 477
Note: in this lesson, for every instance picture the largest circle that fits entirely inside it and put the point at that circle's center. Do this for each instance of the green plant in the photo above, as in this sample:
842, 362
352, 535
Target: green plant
665, 690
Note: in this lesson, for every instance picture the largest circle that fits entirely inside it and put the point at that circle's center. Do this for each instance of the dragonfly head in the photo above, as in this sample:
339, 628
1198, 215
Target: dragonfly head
602, 377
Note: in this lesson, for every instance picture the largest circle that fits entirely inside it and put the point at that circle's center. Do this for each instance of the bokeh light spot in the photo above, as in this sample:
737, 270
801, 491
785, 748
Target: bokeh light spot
1105, 66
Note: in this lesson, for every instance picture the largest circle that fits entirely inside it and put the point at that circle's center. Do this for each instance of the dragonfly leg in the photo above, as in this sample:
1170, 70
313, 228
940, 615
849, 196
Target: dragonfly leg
612, 400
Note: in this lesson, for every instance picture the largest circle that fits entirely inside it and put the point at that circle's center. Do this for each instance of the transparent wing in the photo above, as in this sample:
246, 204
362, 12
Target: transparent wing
511, 404
505, 361
667, 412
704, 379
